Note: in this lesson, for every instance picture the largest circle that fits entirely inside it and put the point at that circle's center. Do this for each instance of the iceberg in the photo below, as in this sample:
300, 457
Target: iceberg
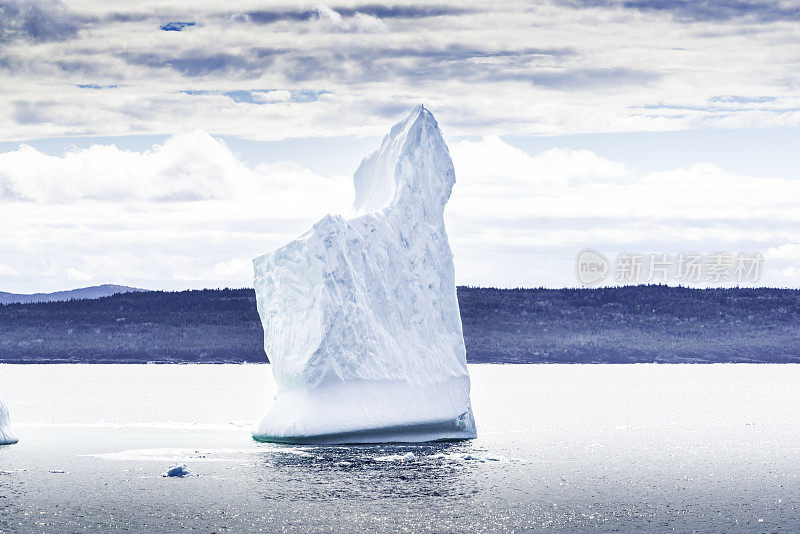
360, 316
6, 436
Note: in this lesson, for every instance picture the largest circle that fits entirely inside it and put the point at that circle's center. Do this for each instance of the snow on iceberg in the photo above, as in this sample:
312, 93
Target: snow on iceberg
6, 436
360, 316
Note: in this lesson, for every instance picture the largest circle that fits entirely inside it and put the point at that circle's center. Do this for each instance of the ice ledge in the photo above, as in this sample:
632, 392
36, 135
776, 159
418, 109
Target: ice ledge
397, 412
6, 436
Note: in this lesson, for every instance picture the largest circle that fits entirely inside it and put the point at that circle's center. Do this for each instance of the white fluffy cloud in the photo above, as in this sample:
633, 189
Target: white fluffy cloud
497, 180
327, 19
193, 166
188, 167
186, 213
519, 220
189, 213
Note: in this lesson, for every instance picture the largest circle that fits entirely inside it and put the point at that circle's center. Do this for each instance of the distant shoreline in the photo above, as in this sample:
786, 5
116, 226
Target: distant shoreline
632, 324
67, 362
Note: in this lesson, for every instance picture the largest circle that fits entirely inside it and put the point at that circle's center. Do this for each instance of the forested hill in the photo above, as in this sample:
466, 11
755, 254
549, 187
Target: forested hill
614, 325
93, 292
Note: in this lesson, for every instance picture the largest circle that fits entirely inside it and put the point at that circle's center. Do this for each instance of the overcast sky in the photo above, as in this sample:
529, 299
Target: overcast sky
164, 147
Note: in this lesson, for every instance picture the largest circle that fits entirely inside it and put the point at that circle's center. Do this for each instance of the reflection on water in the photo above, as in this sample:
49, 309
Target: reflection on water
371, 471
9, 492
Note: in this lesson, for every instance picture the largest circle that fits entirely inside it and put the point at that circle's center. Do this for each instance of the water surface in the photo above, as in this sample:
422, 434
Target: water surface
560, 448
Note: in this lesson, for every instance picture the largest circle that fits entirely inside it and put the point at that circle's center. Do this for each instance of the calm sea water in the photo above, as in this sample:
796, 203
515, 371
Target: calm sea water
561, 448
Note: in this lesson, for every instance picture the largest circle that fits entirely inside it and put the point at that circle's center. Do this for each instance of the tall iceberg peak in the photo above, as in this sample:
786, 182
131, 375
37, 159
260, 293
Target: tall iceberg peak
360, 316
388, 177
6, 436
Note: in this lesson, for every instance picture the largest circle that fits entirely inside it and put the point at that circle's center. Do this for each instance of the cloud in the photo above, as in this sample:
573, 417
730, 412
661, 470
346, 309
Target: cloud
503, 182
492, 163
513, 215
32, 113
6, 270
714, 10
508, 68
789, 251
189, 213
236, 268
405, 12
37, 20
186, 168
326, 19
196, 63
375, 11
590, 78
184, 213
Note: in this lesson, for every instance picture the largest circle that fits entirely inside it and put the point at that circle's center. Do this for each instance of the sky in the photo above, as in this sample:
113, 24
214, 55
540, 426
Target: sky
165, 144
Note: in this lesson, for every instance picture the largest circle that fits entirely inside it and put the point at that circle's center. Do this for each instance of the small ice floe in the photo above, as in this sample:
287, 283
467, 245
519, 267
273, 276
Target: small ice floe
297, 451
396, 457
178, 470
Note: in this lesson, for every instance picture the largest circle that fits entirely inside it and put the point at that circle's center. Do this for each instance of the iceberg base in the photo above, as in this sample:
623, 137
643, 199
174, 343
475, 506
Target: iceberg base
371, 412
444, 431
7, 438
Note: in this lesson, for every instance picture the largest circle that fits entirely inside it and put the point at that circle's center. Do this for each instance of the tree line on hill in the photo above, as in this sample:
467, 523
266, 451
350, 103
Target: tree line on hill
632, 324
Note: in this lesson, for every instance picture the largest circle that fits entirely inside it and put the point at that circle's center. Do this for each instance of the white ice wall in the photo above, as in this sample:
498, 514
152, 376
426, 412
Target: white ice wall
360, 315
6, 436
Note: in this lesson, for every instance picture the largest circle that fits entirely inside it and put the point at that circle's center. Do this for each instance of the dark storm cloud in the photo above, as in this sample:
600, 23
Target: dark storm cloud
268, 17
720, 10
539, 66
457, 51
586, 78
375, 10
200, 63
125, 17
78, 66
451, 62
704, 10
25, 112
37, 20
392, 109
536, 66
403, 12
